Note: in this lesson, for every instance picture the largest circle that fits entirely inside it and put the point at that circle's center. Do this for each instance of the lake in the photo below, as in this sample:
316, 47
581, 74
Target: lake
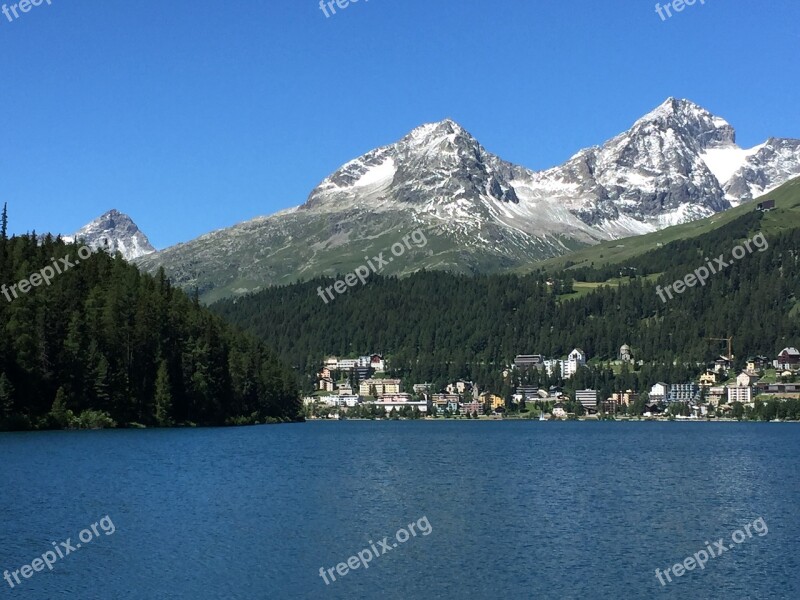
501, 510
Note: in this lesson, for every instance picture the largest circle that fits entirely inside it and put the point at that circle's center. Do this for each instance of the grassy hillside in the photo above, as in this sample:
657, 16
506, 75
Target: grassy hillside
786, 216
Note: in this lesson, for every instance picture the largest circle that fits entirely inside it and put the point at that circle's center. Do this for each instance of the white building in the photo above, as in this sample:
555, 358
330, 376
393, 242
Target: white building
390, 404
587, 398
741, 394
659, 392
575, 360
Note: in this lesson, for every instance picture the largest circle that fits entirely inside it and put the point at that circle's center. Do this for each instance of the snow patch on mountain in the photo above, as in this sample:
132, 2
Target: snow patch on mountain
114, 232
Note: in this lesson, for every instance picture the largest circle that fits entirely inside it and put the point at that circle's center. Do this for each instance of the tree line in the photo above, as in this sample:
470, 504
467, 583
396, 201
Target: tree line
438, 327
104, 345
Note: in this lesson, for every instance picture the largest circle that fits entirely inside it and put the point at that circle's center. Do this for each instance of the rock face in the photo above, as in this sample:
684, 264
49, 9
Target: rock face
482, 214
114, 232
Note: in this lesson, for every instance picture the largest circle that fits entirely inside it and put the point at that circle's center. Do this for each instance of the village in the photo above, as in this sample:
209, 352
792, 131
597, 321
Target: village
359, 388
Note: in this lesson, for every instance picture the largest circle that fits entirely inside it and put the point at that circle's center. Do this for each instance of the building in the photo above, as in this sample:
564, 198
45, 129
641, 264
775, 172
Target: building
381, 387
363, 372
331, 363
402, 397
575, 360
716, 395
625, 354
627, 398
554, 366
756, 364
531, 392
345, 389
492, 401
347, 364
377, 363
472, 407
529, 361
740, 394
326, 384
389, 405
325, 373
723, 364
746, 380
787, 390
446, 401
708, 379
587, 399
559, 411
788, 360
687, 393
659, 393
459, 387
766, 206
422, 388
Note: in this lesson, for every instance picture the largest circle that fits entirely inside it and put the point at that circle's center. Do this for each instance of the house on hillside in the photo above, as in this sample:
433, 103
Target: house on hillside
326, 384
746, 380
788, 360
756, 364
766, 206
575, 360
708, 378
625, 354
529, 361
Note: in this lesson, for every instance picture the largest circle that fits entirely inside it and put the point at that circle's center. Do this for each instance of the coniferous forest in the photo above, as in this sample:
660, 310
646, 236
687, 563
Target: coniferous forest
437, 327
104, 345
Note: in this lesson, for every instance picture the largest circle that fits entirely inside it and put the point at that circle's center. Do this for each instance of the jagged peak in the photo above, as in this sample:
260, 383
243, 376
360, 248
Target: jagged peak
438, 129
707, 128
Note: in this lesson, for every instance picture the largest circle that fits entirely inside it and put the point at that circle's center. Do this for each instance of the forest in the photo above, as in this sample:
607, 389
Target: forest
105, 346
438, 327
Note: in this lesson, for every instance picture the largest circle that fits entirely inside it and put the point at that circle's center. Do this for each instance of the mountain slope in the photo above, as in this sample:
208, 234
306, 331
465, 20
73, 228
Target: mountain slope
481, 214
785, 216
114, 232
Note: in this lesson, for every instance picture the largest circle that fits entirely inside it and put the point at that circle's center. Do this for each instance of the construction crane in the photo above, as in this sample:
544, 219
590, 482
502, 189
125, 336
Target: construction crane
730, 346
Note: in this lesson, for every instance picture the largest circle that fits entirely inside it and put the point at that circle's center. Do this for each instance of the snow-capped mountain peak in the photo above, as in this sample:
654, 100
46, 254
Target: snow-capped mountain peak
706, 129
114, 232
676, 164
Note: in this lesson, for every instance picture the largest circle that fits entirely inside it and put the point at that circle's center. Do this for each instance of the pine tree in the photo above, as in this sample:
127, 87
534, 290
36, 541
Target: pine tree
60, 415
163, 397
6, 400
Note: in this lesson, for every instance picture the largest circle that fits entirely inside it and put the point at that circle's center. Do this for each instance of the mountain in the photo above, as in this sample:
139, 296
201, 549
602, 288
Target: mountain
482, 214
785, 215
114, 232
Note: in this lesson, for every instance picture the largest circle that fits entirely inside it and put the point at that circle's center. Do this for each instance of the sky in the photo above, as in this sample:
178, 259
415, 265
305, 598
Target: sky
192, 115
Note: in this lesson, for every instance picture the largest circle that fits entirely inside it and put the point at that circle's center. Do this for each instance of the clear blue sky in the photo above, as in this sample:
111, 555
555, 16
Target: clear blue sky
192, 115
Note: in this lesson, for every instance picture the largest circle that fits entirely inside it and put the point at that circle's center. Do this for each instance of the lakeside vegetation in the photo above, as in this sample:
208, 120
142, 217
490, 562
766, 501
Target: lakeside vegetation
106, 346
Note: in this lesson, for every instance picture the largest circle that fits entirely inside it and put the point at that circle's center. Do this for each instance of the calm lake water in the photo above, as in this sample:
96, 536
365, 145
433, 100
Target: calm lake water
516, 509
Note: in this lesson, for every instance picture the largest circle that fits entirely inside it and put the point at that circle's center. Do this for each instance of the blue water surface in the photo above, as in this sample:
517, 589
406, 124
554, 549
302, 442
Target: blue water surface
516, 510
